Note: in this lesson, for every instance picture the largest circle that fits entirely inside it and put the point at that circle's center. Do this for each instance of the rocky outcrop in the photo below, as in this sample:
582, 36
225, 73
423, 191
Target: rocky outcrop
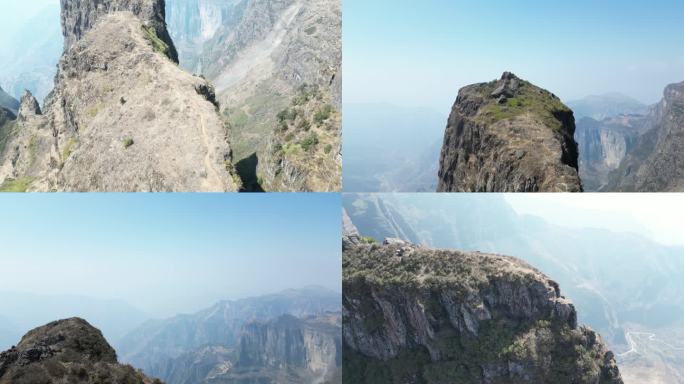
604, 144
65, 351
509, 136
419, 315
654, 164
122, 116
79, 16
8, 102
29, 107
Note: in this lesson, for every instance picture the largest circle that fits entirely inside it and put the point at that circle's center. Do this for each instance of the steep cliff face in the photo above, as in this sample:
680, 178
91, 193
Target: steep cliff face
290, 350
194, 22
420, 315
193, 348
654, 163
604, 144
509, 136
265, 57
79, 16
65, 351
122, 116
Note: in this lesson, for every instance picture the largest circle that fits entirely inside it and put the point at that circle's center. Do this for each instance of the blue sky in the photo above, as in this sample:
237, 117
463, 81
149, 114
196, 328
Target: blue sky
167, 253
419, 53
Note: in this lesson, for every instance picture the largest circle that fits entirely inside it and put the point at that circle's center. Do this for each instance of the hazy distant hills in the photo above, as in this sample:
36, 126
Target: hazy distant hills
599, 107
195, 347
620, 282
391, 148
30, 61
24, 311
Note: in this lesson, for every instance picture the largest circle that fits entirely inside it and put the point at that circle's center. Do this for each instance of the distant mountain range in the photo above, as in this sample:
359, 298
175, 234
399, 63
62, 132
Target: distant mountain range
290, 337
620, 282
599, 107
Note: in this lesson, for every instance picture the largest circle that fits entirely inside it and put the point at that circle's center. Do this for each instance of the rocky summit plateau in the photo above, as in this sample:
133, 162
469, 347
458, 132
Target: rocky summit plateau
509, 135
66, 351
413, 314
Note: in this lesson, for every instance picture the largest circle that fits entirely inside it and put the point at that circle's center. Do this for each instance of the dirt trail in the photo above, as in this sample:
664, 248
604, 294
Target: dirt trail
216, 185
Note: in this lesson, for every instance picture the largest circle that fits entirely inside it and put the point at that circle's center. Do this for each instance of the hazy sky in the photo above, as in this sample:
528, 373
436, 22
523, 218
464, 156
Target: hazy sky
168, 253
419, 53
16, 14
656, 215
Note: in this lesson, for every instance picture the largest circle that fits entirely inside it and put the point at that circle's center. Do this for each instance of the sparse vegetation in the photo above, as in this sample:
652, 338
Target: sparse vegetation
323, 114
328, 149
93, 110
157, 44
529, 99
128, 142
68, 149
310, 30
19, 185
310, 141
122, 100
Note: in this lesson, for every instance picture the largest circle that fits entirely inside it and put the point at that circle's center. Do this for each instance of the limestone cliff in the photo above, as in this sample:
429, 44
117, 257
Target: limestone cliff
290, 350
122, 116
277, 69
509, 136
79, 16
66, 351
654, 164
419, 315
604, 144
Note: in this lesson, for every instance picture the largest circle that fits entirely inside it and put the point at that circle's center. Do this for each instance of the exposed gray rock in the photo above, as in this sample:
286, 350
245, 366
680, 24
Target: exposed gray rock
509, 136
65, 351
79, 16
654, 163
604, 144
443, 316
29, 106
122, 116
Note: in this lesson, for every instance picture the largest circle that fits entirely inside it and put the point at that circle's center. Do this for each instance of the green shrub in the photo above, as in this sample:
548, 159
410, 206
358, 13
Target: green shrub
128, 142
323, 114
328, 149
310, 141
310, 30
304, 124
289, 136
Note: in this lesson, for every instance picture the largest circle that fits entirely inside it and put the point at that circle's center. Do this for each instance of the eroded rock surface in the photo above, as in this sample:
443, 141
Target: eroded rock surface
509, 136
66, 351
655, 162
418, 315
123, 116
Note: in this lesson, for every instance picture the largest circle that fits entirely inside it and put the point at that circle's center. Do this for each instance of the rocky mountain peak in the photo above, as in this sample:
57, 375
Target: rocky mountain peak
509, 135
69, 350
28, 107
79, 16
461, 317
675, 92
